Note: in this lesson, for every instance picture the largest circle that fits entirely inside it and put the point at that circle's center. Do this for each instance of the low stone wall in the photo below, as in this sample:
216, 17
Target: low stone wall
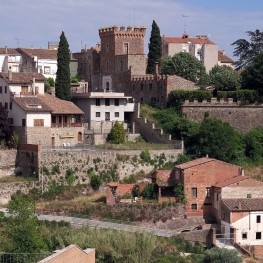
122, 162
202, 236
8, 189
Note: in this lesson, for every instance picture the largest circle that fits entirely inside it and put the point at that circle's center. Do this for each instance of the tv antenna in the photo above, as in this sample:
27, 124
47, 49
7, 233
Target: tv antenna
134, 17
185, 23
18, 40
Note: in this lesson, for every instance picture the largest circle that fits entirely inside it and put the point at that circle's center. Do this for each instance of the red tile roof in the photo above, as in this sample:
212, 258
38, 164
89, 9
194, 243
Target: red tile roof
222, 57
164, 178
59, 106
248, 204
21, 77
9, 51
41, 53
239, 181
31, 104
185, 40
194, 163
122, 189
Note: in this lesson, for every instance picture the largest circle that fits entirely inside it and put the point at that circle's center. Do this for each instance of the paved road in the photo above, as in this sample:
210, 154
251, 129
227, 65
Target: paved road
78, 222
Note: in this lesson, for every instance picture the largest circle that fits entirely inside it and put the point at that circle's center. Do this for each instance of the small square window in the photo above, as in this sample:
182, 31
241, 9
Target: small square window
97, 114
244, 235
258, 219
258, 235
194, 206
248, 195
117, 114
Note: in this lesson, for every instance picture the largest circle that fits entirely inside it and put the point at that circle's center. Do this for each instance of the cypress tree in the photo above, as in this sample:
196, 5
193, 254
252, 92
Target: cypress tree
63, 71
155, 48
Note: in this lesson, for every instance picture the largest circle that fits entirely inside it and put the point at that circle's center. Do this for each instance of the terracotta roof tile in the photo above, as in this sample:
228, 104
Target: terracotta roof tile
31, 104
165, 178
122, 189
194, 163
248, 204
222, 57
239, 181
59, 106
21, 77
9, 51
185, 40
41, 53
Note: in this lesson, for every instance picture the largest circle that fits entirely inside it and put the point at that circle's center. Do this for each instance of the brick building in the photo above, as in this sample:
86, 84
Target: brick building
198, 176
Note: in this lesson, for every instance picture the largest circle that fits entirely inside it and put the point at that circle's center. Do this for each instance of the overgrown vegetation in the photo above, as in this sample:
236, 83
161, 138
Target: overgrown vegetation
213, 137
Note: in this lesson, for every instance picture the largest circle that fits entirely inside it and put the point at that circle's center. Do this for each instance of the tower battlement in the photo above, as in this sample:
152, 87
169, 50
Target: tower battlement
123, 31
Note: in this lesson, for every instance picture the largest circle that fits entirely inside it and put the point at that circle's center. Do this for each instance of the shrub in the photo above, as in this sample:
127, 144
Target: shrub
117, 134
70, 176
95, 181
145, 156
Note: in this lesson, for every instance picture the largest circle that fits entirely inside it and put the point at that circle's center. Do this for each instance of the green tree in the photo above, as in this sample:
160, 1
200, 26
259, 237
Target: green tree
254, 144
252, 76
63, 71
155, 48
221, 255
23, 229
179, 193
217, 139
5, 129
247, 50
95, 181
117, 134
186, 66
224, 78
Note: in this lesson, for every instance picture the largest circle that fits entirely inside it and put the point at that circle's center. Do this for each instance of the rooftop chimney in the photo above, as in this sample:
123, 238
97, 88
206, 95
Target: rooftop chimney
9, 75
6, 49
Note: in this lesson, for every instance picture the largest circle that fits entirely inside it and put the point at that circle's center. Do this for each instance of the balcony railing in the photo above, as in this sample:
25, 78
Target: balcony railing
66, 125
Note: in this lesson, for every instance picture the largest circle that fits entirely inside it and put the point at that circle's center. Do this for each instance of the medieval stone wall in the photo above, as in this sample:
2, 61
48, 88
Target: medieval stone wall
241, 117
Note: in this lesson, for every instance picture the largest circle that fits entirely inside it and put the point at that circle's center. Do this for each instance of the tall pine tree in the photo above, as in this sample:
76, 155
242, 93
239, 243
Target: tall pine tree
155, 48
63, 72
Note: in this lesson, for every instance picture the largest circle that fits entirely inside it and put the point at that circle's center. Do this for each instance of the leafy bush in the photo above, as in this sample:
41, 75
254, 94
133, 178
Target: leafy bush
95, 181
145, 156
150, 191
70, 176
177, 97
117, 134
221, 255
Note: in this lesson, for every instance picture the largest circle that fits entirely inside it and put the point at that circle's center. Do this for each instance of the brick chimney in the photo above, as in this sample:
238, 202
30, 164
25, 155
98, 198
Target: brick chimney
9, 75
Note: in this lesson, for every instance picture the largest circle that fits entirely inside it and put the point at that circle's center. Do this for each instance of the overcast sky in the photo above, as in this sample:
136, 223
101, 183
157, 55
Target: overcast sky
34, 23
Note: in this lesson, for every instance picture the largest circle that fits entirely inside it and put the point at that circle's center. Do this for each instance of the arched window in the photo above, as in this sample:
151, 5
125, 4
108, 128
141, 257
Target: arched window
80, 136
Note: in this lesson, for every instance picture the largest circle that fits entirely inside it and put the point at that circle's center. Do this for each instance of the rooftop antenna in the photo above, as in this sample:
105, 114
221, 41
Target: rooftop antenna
17, 41
185, 23
134, 17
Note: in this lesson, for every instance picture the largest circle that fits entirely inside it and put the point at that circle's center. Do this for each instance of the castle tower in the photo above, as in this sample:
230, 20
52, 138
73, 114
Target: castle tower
119, 41
121, 48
